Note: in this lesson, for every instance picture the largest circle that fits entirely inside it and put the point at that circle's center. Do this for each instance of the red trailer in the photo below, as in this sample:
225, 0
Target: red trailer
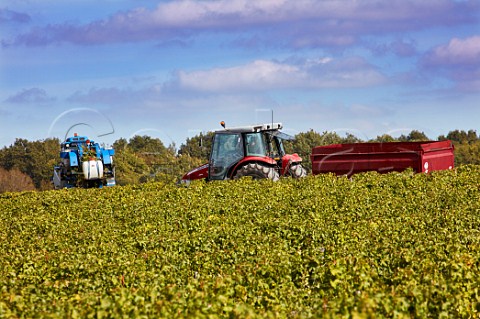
348, 159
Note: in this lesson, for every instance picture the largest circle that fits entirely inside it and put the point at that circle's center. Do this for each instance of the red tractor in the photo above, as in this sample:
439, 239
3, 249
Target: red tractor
256, 151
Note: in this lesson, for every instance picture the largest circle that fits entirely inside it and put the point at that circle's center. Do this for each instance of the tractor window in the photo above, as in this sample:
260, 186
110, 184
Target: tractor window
256, 144
69, 146
275, 145
227, 149
279, 143
277, 139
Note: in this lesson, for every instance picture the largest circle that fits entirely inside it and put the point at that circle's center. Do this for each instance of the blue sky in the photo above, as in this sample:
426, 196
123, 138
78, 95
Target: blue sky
172, 69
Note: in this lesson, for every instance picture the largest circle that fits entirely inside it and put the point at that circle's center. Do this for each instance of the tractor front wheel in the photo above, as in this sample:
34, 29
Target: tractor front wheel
257, 171
297, 171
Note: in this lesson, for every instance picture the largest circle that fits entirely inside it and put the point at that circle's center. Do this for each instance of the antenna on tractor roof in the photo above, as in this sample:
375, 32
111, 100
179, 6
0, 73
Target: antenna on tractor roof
272, 118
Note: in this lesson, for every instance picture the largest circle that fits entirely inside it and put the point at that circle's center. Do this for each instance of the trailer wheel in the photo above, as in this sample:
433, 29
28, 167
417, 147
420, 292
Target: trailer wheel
257, 171
297, 171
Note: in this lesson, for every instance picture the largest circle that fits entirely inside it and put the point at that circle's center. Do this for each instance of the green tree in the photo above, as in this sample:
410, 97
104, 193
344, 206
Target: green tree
36, 159
14, 156
467, 146
43, 155
466, 153
414, 136
129, 167
144, 159
197, 146
146, 144
385, 138
306, 141
472, 136
460, 136
457, 136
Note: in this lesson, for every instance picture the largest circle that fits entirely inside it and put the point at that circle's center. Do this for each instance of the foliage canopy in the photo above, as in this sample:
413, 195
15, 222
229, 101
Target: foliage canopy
394, 245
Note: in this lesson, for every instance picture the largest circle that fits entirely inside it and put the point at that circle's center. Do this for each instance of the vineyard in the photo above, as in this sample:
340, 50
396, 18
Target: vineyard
398, 245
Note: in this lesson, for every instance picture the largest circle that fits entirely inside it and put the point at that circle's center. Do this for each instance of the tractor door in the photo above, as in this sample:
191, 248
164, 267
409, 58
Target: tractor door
278, 138
275, 146
227, 150
256, 144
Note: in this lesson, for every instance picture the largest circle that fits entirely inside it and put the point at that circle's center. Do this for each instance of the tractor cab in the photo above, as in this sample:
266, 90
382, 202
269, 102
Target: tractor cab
256, 151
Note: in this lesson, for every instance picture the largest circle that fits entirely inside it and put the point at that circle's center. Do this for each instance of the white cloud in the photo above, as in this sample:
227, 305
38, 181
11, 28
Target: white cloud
296, 23
458, 61
257, 75
262, 75
208, 13
30, 96
457, 51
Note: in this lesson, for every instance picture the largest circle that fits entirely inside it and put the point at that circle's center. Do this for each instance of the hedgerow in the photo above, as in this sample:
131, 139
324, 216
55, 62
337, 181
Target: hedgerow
395, 245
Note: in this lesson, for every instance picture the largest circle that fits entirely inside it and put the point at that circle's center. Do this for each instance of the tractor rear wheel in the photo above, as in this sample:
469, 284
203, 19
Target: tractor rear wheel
297, 171
257, 171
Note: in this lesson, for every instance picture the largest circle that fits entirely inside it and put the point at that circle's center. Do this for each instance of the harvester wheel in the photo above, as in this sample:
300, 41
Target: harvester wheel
297, 171
257, 171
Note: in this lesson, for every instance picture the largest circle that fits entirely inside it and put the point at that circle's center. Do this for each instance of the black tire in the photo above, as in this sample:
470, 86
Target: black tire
257, 171
297, 171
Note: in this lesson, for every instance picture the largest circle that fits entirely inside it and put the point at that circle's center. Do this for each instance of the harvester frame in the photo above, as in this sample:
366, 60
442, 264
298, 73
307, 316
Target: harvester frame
84, 163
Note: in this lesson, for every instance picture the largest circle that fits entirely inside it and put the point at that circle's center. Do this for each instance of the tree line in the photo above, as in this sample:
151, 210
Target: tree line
28, 165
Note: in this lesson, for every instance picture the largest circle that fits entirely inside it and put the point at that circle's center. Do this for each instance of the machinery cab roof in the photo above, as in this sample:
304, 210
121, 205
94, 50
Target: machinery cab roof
75, 141
271, 128
252, 128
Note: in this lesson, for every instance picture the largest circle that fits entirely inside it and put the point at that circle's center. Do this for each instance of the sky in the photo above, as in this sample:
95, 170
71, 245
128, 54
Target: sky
112, 69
